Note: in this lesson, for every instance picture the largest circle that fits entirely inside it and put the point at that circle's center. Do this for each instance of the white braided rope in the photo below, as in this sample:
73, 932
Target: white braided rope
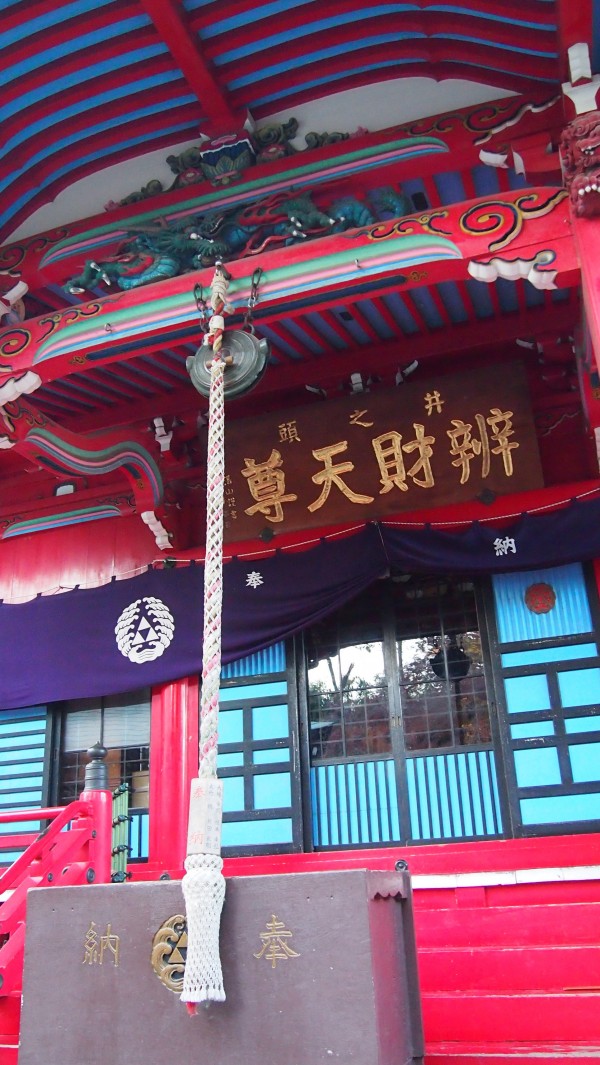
203, 884
213, 575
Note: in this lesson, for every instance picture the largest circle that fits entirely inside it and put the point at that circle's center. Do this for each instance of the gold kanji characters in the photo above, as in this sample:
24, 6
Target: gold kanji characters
275, 948
500, 423
96, 947
288, 433
267, 486
332, 475
465, 447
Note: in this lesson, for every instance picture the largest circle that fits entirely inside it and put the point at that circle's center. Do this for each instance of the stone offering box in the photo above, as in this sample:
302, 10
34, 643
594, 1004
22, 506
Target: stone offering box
318, 968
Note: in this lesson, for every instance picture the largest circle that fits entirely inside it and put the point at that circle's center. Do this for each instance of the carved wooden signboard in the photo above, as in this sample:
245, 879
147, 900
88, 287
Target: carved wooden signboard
374, 454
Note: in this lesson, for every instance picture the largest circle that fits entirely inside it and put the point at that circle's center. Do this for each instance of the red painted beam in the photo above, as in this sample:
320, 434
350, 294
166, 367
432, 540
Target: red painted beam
121, 111
428, 28
524, 84
26, 428
306, 28
476, 62
575, 25
327, 370
63, 30
173, 26
435, 858
20, 344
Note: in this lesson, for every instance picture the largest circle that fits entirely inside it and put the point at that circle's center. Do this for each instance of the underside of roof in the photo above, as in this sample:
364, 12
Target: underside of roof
93, 87
93, 82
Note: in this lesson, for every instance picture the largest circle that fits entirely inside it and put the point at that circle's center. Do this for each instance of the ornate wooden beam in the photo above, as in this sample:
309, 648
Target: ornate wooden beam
64, 453
521, 234
449, 141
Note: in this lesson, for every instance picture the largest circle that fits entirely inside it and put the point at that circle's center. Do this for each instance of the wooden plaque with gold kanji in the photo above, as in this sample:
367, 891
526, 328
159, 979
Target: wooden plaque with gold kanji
373, 454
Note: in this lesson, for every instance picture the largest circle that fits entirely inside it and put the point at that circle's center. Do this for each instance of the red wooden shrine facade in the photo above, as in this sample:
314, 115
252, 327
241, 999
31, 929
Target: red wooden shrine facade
429, 296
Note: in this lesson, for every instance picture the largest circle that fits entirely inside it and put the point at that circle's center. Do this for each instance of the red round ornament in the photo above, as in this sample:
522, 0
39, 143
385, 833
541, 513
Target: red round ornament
540, 598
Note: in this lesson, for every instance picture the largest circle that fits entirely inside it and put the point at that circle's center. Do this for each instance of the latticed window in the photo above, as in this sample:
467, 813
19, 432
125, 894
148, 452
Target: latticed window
403, 657
440, 664
121, 723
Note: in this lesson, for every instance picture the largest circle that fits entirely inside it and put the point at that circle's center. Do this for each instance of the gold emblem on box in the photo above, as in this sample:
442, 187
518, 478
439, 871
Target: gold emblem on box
169, 949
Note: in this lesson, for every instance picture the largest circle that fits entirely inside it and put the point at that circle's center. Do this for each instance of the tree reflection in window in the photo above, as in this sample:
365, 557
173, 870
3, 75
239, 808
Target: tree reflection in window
446, 708
438, 671
347, 687
440, 663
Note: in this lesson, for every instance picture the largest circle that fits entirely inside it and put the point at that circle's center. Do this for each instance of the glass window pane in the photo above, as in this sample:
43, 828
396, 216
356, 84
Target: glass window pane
347, 686
440, 662
82, 729
127, 726
440, 678
122, 724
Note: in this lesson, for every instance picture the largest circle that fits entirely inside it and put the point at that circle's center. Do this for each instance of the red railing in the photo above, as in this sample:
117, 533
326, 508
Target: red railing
75, 848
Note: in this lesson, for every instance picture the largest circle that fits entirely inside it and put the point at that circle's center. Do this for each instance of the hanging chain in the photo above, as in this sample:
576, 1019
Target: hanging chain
252, 300
203, 311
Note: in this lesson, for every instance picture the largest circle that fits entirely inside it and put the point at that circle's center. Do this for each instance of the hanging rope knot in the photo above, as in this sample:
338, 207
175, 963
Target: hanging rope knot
218, 290
218, 293
204, 891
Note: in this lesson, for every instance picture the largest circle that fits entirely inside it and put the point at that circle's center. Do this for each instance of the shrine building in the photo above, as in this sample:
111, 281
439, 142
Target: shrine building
401, 206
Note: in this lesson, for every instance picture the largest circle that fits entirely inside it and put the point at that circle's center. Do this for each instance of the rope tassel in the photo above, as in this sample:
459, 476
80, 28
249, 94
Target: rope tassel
203, 884
204, 892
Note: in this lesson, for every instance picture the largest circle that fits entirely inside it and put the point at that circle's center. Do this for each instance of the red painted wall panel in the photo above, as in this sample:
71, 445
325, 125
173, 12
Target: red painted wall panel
506, 926
84, 555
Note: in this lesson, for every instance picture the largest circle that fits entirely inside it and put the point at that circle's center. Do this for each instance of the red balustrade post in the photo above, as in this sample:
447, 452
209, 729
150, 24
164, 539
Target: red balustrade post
97, 793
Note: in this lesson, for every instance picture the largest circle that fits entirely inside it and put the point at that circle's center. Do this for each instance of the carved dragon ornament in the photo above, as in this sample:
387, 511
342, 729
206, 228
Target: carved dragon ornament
580, 154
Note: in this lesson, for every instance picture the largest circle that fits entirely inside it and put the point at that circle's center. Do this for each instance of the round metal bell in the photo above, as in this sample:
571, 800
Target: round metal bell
249, 362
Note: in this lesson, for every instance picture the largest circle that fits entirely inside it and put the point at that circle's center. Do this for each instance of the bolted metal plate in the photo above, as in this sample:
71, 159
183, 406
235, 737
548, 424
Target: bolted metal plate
249, 362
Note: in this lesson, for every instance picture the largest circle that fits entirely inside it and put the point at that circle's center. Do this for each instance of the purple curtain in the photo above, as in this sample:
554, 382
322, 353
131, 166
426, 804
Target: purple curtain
148, 630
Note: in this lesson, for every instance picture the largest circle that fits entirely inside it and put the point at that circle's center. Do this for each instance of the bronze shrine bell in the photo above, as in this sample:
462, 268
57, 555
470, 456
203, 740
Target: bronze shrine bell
246, 361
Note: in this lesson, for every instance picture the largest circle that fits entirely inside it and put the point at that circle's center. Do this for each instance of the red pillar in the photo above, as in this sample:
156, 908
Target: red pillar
173, 764
586, 232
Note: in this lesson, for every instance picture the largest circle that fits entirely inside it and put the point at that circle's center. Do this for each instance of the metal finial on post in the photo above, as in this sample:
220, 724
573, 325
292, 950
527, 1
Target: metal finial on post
96, 773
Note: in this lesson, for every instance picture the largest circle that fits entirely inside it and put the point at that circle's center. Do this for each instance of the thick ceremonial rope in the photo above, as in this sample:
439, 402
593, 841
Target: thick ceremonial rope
203, 883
